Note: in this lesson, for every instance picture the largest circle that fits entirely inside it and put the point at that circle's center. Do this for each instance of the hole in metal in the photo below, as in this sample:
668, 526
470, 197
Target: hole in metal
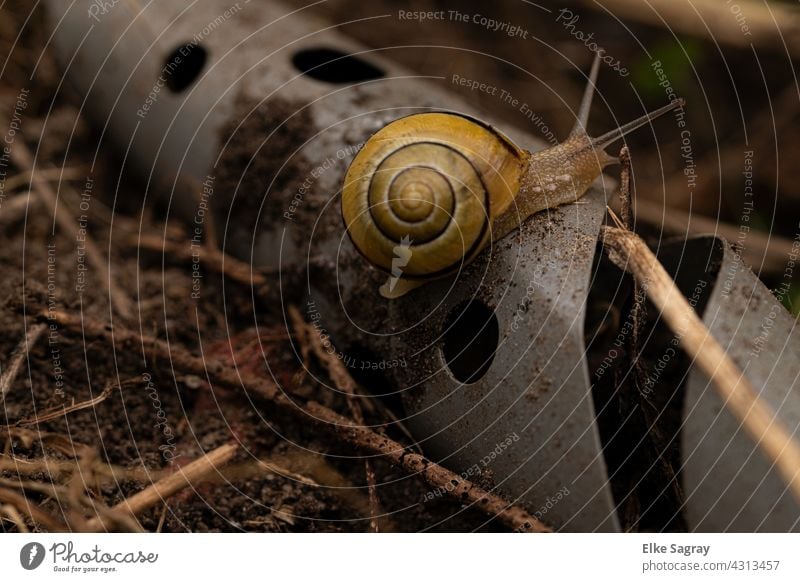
334, 66
470, 335
183, 66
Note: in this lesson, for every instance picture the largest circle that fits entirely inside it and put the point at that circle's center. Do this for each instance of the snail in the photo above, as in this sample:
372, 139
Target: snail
428, 192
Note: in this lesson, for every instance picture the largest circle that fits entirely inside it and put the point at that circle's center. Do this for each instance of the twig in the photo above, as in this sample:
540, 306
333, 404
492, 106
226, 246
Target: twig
625, 192
187, 476
18, 355
638, 309
112, 519
285, 473
78, 497
15, 517
75, 494
57, 469
761, 250
713, 19
216, 260
311, 468
30, 510
50, 174
162, 520
29, 438
435, 475
23, 159
346, 384
102, 473
50, 489
59, 411
14, 207
629, 252
638, 315
342, 428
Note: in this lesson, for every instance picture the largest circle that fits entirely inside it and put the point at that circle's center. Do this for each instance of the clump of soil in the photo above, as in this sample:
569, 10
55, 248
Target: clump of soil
261, 161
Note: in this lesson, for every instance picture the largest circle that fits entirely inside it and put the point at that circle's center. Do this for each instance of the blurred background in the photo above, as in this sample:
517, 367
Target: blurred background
733, 61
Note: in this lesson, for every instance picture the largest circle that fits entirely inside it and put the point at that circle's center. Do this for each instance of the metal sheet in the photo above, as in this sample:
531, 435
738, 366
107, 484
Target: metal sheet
729, 483
537, 387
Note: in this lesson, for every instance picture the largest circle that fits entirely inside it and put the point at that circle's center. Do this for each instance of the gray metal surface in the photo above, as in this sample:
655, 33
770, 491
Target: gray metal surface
537, 386
729, 483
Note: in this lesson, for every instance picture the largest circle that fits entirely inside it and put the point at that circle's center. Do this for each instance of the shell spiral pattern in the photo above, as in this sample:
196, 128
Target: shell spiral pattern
421, 191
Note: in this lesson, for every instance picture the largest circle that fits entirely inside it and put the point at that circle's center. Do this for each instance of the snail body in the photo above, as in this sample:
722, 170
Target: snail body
428, 192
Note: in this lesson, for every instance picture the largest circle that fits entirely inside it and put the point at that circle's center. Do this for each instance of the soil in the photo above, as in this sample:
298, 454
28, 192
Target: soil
262, 153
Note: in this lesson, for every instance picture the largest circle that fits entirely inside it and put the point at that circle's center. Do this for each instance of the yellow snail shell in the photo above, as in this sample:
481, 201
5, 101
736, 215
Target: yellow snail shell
434, 180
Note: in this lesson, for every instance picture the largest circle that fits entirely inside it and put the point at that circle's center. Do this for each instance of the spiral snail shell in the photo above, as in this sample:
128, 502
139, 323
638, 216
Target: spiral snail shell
428, 192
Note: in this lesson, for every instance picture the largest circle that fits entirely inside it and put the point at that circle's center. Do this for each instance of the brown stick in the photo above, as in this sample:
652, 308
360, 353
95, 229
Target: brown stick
15, 517
638, 309
359, 437
57, 469
14, 207
187, 476
50, 174
20, 353
346, 384
629, 252
211, 258
32, 511
638, 314
415, 464
23, 159
625, 192
59, 411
